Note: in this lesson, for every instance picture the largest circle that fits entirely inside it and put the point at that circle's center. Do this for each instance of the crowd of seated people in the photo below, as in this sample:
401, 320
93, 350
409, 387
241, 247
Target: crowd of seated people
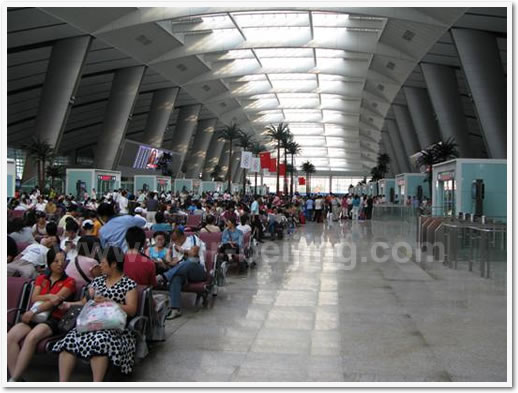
121, 240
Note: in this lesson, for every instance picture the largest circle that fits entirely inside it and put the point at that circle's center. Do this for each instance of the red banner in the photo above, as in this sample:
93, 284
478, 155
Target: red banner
302, 181
265, 160
282, 169
273, 165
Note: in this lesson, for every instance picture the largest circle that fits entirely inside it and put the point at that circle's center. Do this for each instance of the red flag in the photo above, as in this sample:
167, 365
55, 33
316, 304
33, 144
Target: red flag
273, 165
265, 159
302, 181
282, 169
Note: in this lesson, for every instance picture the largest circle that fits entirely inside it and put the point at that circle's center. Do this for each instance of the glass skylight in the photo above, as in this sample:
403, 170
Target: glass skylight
281, 69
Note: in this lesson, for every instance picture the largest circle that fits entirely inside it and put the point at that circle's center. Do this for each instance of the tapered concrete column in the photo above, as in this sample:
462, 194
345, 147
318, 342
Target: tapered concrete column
421, 112
236, 162
444, 94
223, 160
213, 154
64, 71
239, 176
480, 59
162, 106
194, 165
185, 126
406, 128
397, 145
123, 95
394, 165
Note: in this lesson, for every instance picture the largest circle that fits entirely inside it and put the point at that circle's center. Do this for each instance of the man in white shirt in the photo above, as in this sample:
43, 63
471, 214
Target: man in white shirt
30, 262
244, 227
319, 203
40, 204
123, 203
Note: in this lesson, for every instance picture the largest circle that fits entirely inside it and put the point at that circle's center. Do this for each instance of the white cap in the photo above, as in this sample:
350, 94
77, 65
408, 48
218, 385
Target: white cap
138, 210
88, 222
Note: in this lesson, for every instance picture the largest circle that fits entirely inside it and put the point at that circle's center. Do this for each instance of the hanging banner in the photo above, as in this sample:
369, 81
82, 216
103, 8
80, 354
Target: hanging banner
265, 160
282, 169
273, 165
302, 181
246, 159
256, 164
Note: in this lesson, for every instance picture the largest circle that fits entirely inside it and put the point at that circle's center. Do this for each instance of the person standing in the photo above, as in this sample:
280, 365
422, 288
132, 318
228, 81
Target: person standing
319, 205
309, 209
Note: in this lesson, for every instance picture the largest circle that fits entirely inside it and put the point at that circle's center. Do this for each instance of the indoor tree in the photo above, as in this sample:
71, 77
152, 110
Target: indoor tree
229, 134
246, 141
293, 149
256, 149
288, 138
41, 152
308, 168
278, 134
55, 172
216, 173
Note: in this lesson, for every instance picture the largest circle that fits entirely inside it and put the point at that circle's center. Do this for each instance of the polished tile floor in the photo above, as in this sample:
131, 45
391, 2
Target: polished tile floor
320, 306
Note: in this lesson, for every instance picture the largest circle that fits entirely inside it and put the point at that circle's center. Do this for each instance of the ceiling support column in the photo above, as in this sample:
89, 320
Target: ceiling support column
421, 112
162, 105
198, 153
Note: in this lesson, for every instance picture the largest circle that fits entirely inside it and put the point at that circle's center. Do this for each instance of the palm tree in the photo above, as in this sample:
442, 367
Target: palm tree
380, 170
444, 151
288, 138
293, 148
308, 168
216, 173
42, 153
245, 141
256, 149
55, 172
278, 134
439, 152
230, 134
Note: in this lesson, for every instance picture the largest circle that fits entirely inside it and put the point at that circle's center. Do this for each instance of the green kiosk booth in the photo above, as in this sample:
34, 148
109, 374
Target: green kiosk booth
412, 185
152, 183
78, 181
474, 186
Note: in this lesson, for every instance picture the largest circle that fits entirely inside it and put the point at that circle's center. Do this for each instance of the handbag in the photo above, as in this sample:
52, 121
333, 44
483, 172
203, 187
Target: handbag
69, 320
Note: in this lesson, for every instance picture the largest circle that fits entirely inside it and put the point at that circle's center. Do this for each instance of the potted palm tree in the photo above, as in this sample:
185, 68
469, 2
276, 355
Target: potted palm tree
216, 173
308, 168
288, 138
246, 142
55, 172
293, 149
278, 134
230, 133
256, 149
42, 153
434, 154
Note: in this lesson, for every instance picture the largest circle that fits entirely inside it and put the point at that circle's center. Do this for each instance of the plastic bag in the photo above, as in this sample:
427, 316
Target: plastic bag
42, 316
101, 316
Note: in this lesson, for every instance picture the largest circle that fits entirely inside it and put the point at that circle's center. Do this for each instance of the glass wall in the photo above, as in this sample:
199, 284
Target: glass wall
319, 184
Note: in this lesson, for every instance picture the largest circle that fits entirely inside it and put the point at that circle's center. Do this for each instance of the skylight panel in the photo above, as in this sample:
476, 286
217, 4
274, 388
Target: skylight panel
279, 64
292, 76
236, 54
284, 52
269, 19
291, 86
299, 102
334, 152
303, 115
312, 141
335, 142
330, 19
279, 36
304, 131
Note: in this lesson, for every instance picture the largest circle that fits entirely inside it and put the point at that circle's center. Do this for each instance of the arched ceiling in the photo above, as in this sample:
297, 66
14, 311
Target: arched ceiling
331, 73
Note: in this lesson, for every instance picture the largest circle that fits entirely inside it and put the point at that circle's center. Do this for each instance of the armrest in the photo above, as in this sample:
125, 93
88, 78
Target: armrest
138, 324
13, 310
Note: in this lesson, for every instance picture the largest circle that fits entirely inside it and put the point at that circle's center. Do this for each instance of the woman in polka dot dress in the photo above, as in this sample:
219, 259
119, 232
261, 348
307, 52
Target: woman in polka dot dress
103, 346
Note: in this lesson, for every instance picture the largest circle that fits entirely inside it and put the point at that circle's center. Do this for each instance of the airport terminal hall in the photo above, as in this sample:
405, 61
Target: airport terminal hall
257, 195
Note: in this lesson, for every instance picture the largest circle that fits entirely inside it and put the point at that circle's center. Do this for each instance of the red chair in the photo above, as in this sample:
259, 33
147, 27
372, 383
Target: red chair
18, 290
149, 234
18, 214
193, 222
211, 239
202, 289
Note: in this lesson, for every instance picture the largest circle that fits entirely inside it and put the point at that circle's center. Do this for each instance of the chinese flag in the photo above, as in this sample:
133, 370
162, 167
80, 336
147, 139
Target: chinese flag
265, 159
273, 165
302, 181
282, 169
